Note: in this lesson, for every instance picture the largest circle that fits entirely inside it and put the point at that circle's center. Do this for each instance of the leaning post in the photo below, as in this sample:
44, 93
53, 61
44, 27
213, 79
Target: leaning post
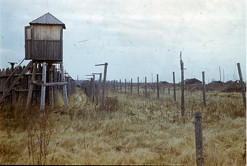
242, 84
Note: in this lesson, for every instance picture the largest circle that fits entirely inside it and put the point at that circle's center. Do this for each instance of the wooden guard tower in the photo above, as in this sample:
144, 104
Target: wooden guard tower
44, 46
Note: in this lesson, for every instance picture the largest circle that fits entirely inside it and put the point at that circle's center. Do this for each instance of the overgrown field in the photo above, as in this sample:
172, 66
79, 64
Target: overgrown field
130, 130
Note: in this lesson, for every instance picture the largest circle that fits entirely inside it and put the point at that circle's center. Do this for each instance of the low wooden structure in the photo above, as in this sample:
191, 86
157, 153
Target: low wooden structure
14, 85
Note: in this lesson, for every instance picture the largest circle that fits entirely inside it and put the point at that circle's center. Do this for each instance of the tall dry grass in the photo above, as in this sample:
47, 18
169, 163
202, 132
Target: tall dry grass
130, 130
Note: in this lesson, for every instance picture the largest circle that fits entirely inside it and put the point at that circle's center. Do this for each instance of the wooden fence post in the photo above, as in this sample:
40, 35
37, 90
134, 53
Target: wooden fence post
182, 84
65, 96
98, 87
125, 86
93, 87
204, 89
138, 85
120, 85
158, 87
146, 95
242, 84
199, 139
104, 82
131, 86
174, 87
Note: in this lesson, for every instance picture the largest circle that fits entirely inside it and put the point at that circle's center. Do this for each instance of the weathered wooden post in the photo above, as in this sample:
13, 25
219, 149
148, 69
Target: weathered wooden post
51, 88
158, 87
99, 86
120, 85
43, 87
116, 85
174, 87
204, 89
182, 84
131, 86
242, 84
30, 91
125, 86
199, 139
56, 76
146, 94
138, 90
92, 88
65, 96
13, 92
104, 83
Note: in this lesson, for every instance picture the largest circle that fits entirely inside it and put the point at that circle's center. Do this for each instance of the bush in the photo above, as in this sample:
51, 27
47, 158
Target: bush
112, 104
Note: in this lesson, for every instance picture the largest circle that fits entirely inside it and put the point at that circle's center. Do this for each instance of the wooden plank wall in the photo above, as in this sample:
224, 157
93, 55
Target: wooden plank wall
21, 89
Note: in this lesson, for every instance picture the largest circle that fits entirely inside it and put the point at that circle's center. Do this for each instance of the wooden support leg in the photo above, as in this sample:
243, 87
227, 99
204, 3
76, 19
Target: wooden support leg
43, 87
31, 85
51, 92
55, 89
65, 96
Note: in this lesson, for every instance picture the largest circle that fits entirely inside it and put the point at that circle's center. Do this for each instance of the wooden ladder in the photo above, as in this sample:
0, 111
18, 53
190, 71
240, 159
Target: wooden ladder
14, 83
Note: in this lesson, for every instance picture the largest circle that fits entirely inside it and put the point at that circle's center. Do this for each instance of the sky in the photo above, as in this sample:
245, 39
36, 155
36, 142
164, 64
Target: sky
136, 37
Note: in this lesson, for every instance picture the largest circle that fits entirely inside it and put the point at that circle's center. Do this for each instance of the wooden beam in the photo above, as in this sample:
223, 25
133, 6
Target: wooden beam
43, 87
31, 85
65, 95
182, 85
51, 88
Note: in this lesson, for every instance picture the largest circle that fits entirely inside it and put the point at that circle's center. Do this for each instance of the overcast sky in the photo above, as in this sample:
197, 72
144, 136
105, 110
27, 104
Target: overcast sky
136, 37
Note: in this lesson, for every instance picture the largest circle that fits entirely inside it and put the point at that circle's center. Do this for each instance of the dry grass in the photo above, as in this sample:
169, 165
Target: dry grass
131, 130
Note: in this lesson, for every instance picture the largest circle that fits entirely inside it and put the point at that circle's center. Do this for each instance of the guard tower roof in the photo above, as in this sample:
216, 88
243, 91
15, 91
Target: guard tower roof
47, 19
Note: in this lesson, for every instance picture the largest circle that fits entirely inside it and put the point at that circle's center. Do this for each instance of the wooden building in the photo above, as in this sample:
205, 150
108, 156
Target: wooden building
44, 39
192, 81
